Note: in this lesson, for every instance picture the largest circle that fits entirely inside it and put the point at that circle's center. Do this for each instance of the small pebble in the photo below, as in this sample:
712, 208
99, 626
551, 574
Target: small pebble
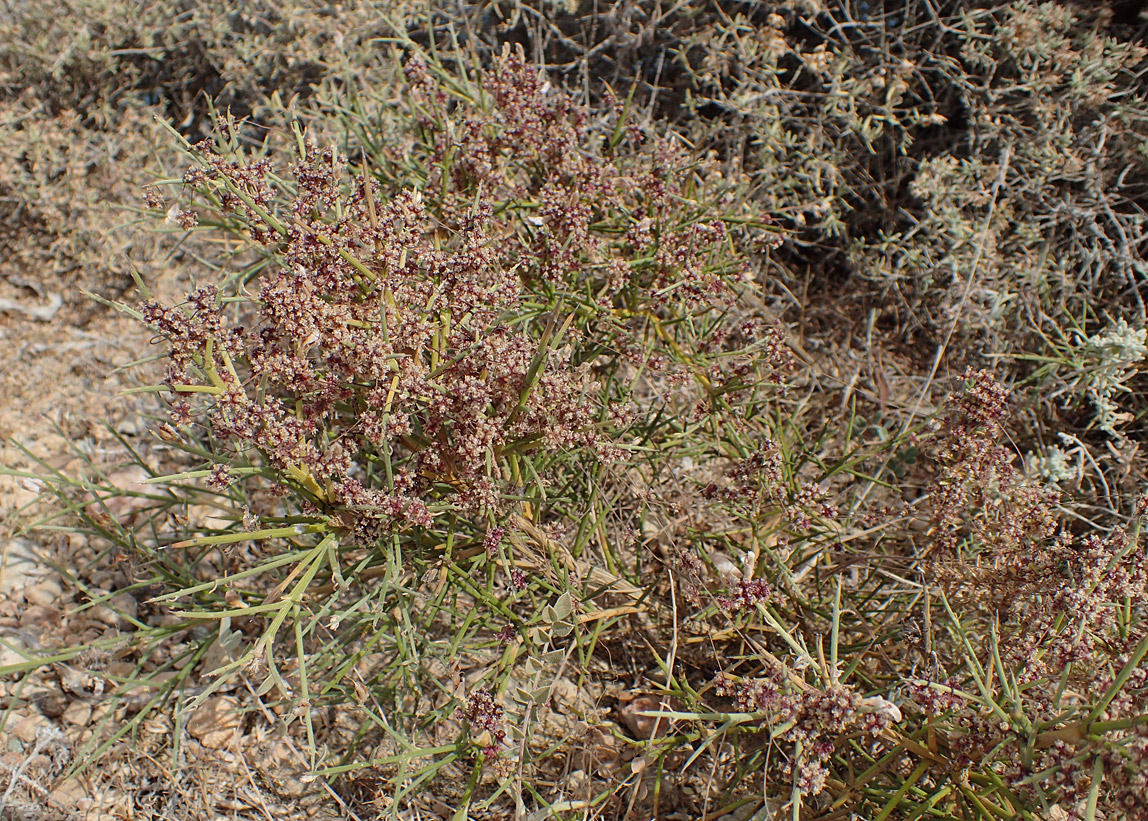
78, 713
47, 593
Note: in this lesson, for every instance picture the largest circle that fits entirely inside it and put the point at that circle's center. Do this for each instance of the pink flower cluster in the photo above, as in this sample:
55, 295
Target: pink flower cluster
745, 595
373, 342
617, 216
814, 720
1054, 594
1058, 606
484, 715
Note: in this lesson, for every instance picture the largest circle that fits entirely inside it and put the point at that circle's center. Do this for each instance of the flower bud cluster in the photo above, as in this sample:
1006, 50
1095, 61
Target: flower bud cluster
484, 716
1058, 607
617, 216
814, 720
372, 342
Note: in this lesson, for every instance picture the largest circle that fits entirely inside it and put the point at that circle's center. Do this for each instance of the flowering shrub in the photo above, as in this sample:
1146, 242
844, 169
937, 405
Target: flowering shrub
402, 358
438, 365
1060, 674
490, 446
432, 374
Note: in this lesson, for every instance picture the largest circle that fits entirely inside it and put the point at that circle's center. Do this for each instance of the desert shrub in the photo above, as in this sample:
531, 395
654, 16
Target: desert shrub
468, 392
966, 183
1048, 627
444, 383
487, 395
